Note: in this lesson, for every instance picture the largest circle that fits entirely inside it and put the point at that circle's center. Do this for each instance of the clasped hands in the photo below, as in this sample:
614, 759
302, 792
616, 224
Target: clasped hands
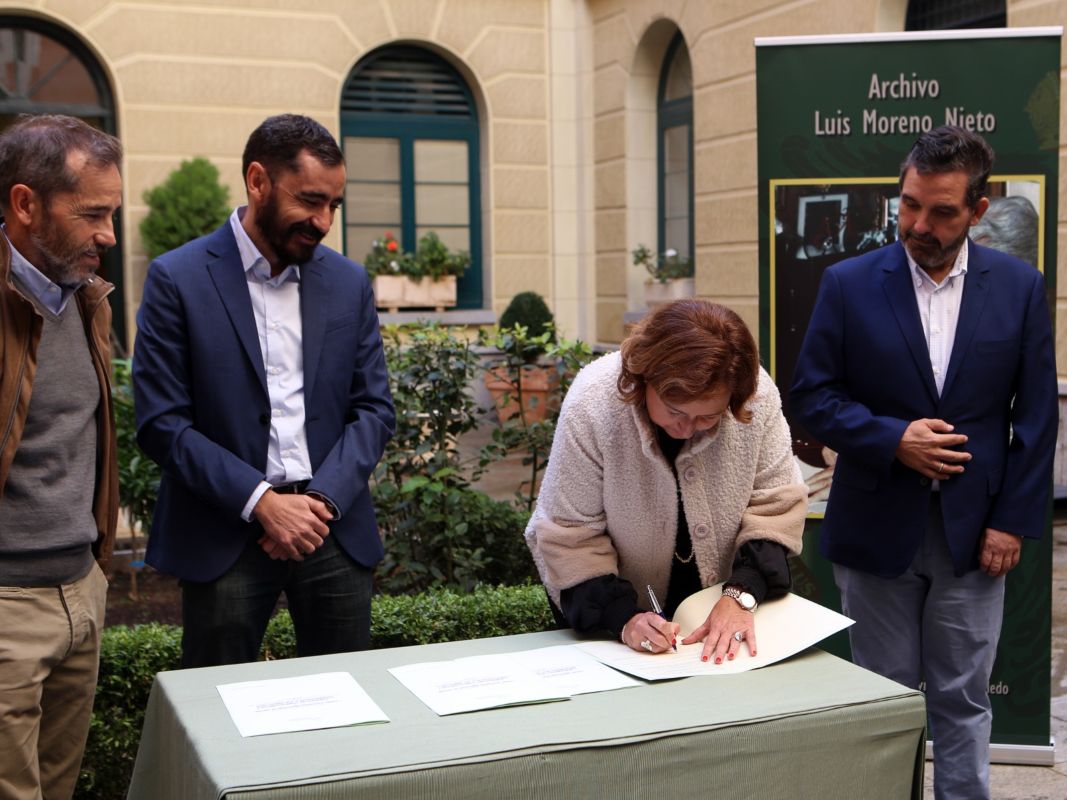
294, 525
717, 632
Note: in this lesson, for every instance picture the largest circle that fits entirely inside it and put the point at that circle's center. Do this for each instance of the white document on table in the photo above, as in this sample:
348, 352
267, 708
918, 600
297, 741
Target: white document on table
303, 703
784, 627
506, 679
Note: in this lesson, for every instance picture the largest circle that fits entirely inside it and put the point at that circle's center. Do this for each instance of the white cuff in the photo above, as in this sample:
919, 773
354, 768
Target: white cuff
246, 512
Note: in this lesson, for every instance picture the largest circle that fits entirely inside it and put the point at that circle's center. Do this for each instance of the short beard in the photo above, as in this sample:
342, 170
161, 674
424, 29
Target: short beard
59, 266
939, 258
279, 240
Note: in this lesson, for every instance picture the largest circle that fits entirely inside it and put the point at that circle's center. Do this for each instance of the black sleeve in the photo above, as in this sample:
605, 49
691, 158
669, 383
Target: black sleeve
761, 568
604, 603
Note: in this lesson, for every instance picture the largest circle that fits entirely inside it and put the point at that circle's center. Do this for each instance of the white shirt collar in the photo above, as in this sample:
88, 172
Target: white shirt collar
51, 295
959, 267
252, 261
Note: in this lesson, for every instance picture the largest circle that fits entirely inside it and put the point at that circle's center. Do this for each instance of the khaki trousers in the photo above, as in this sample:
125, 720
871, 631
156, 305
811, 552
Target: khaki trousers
49, 657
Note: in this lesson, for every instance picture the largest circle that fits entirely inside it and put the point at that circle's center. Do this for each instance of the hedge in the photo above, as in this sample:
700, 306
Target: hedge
131, 657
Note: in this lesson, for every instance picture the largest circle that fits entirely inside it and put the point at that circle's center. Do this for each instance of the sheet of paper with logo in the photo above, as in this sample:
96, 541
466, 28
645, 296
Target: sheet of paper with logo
304, 703
784, 627
507, 679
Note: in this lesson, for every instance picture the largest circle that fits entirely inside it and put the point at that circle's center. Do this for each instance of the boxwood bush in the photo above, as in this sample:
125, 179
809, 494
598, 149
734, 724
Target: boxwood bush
131, 657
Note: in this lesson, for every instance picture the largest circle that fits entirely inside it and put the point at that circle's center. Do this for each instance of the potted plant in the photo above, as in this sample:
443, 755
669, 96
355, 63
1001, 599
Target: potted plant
521, 388
670, 275
423, 279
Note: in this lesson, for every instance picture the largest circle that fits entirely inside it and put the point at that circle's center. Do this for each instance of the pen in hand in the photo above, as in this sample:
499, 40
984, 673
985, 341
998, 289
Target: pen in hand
656, 608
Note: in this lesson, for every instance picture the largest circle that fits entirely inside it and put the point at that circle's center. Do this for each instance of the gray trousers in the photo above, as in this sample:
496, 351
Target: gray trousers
929, 625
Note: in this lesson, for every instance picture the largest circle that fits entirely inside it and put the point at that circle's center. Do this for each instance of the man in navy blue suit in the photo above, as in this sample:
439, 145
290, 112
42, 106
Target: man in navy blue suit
928, 366
261, 391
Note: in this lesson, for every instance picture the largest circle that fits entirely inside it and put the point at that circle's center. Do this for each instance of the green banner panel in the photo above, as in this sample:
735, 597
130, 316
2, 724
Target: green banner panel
835, 117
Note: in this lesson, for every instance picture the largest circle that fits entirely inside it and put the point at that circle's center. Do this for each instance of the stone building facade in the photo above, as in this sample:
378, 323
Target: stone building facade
556, 109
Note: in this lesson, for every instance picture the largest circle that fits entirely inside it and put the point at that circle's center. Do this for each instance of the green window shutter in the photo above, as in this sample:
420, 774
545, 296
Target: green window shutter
401, 100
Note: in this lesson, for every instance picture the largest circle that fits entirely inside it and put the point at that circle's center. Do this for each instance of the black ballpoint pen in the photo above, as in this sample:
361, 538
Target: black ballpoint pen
658, 610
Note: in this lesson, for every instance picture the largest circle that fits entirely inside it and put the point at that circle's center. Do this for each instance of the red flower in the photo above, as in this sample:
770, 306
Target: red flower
391, 245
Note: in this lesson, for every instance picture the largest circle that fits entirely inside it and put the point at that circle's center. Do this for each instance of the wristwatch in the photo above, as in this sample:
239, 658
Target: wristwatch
743, 598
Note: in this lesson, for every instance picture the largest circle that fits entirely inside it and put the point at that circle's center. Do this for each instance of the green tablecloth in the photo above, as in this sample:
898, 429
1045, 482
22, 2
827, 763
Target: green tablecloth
810, 727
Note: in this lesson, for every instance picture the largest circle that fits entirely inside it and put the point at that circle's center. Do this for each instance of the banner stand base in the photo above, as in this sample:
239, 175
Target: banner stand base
1027, 755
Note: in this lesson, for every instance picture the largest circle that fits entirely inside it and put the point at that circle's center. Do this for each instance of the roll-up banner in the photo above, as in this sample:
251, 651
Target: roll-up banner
835, 117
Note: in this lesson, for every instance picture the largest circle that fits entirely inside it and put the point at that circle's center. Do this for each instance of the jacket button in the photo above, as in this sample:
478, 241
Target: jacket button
690, 474
700, 531
924, 481
264, 419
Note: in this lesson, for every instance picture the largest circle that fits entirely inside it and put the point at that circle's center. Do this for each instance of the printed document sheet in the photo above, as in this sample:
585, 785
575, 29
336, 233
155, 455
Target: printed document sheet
784, 627
304, 703
533, 676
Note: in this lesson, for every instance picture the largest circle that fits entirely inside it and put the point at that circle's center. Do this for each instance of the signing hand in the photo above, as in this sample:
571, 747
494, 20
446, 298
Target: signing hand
294, 524
925, 448
649, 629
1000, 552
717, 632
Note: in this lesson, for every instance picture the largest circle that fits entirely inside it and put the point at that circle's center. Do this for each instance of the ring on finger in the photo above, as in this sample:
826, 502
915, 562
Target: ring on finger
739, 636
646, 644
940, 466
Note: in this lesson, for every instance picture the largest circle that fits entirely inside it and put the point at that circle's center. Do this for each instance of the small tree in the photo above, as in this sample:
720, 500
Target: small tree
189, 204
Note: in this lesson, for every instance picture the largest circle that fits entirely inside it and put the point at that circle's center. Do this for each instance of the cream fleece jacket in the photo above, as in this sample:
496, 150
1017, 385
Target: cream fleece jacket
608, 502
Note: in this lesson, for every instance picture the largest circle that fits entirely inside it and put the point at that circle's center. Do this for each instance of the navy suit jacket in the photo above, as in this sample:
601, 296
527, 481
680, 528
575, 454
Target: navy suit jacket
864, 374
203, 412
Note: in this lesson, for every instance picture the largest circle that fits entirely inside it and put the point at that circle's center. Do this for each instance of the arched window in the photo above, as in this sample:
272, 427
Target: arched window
410, 133
45, 69
674, 150
930, 15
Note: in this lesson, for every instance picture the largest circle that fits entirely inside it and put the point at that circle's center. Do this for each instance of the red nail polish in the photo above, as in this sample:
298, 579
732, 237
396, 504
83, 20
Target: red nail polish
730, 656
703, 658
718, 659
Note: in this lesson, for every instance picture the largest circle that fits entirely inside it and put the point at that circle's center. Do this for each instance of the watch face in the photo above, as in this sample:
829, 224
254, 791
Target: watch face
747, 601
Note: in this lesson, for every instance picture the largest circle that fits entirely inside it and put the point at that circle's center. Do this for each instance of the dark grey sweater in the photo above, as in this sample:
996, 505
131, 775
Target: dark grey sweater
46, 515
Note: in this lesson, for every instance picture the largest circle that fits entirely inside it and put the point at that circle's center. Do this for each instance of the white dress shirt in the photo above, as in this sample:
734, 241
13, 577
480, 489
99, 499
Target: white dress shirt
939, 310
276, 306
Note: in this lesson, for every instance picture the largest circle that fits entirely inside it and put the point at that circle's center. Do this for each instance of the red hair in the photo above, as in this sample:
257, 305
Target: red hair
688, 349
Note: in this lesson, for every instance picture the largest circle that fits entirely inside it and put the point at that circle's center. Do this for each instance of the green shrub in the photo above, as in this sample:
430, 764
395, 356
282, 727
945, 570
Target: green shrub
439, 532
529, 309
138, 474
189, 204
131, 657
437, 529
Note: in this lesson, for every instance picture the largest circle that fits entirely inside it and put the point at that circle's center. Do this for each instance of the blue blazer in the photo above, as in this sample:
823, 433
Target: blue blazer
203, 412
864, 374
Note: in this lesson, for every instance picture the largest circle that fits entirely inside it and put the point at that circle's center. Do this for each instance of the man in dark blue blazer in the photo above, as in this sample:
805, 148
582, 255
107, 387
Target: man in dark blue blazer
928, 366
261, 390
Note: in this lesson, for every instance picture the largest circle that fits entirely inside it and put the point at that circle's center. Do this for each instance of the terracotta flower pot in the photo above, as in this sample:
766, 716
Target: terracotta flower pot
539, 388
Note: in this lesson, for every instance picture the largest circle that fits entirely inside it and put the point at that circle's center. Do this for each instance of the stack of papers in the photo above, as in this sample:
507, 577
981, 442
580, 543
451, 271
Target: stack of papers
534, 676
304, 703
784, 627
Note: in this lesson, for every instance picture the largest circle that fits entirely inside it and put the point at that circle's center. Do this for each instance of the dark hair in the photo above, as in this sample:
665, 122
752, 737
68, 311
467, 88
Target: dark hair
279, 141
687, 349
34, 152
1009, 225
952, 149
